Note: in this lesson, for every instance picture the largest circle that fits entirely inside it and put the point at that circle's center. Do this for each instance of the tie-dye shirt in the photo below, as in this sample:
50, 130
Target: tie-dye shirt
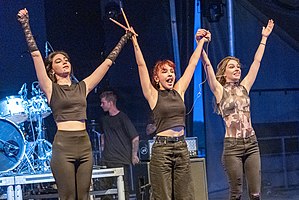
235, 110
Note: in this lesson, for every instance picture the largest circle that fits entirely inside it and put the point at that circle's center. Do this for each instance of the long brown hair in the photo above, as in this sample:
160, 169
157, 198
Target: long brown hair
159, 65
49, 63
221, 67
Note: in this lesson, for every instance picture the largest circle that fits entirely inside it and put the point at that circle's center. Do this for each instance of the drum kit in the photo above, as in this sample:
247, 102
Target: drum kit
22, 150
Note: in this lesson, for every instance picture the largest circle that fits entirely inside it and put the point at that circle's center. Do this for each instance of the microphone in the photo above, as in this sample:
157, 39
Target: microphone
74, 78
46, 49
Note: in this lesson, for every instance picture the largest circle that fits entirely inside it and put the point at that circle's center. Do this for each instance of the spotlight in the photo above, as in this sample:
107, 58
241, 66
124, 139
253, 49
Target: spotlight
110, 9
212, 9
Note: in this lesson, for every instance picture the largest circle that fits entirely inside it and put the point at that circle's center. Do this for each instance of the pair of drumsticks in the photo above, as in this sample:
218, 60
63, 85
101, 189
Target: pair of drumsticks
127, 22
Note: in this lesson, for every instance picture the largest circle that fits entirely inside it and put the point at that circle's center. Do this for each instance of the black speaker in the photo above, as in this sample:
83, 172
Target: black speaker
142, 181
198, 170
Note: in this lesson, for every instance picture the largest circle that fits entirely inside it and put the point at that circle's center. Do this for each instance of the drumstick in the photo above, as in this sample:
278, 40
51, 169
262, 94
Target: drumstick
123, 12
119, 24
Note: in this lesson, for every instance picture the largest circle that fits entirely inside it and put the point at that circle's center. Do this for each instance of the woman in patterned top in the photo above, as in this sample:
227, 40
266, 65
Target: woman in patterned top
241, 149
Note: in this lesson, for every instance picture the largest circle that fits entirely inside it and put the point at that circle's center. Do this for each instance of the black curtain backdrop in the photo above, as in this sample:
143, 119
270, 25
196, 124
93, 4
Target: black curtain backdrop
16, 65
185, 30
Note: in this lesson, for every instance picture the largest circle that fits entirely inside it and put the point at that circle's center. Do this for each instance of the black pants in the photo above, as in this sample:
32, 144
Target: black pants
242, 155
71, 164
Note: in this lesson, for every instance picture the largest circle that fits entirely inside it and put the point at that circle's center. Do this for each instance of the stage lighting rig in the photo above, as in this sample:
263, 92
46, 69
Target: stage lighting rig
212, 9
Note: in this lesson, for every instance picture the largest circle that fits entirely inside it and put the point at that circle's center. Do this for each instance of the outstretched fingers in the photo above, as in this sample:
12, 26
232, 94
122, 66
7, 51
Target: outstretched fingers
267, 30
22, 12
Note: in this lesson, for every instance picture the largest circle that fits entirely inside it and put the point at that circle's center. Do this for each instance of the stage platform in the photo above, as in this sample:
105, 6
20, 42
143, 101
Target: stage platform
13, 184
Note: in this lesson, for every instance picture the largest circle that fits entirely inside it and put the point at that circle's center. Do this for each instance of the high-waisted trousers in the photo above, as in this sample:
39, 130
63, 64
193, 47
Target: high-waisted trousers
71, 164
242, 155
170, 171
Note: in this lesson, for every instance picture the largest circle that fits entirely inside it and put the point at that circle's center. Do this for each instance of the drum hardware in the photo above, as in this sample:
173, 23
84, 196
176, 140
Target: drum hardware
10, 148
12, 145
17, 154
40, 152
13, 108
95, 138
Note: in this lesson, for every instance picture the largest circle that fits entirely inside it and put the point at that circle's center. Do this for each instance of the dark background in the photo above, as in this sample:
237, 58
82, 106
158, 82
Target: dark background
80, 28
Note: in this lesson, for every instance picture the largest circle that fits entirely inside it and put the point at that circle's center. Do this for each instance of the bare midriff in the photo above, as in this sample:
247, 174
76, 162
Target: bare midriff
173, 132
71, 125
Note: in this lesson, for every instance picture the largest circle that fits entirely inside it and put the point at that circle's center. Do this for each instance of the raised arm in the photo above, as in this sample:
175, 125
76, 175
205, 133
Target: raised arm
149, 92
254, 68
181, 86
93, 80
214, 84
43, 79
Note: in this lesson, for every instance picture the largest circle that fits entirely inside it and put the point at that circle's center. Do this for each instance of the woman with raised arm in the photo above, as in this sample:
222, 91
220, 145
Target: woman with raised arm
71, 162
170, 170
241, 151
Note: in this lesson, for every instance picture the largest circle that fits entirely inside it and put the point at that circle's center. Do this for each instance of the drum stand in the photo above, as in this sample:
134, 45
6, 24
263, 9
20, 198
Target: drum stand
96, 143
44, 148
39, 154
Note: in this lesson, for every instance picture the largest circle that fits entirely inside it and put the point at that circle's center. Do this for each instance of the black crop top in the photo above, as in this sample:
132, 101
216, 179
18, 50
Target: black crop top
68, 103
169, 111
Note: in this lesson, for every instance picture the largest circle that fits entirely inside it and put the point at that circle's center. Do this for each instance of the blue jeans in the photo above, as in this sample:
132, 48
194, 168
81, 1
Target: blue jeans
242, 155
170, 171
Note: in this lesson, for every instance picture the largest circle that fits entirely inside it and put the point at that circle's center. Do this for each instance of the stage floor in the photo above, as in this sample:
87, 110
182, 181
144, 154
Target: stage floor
267, 194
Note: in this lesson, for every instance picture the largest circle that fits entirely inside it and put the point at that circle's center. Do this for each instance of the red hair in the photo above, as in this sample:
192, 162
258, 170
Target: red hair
158, 66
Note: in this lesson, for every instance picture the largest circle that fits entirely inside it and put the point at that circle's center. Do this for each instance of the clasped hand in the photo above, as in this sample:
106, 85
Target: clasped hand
203, 34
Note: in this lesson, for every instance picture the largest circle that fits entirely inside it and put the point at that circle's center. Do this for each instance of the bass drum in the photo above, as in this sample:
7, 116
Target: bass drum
12, 145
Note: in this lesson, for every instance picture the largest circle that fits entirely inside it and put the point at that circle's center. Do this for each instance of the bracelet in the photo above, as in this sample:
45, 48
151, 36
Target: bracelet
263, 44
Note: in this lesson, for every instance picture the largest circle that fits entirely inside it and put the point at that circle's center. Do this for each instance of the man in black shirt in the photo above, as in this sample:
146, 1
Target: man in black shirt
120, 140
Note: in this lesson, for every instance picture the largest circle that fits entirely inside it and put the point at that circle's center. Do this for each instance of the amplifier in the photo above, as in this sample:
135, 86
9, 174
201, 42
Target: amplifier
145, 148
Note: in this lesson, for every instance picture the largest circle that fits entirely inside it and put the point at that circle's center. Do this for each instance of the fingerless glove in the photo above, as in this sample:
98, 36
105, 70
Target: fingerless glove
28, 34
117, 49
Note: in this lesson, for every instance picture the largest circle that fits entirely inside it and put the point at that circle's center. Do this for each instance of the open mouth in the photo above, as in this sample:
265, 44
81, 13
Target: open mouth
236, 73
169, 80
65, 67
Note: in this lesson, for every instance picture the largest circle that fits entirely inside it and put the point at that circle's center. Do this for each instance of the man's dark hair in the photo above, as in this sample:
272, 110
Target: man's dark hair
109, 96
